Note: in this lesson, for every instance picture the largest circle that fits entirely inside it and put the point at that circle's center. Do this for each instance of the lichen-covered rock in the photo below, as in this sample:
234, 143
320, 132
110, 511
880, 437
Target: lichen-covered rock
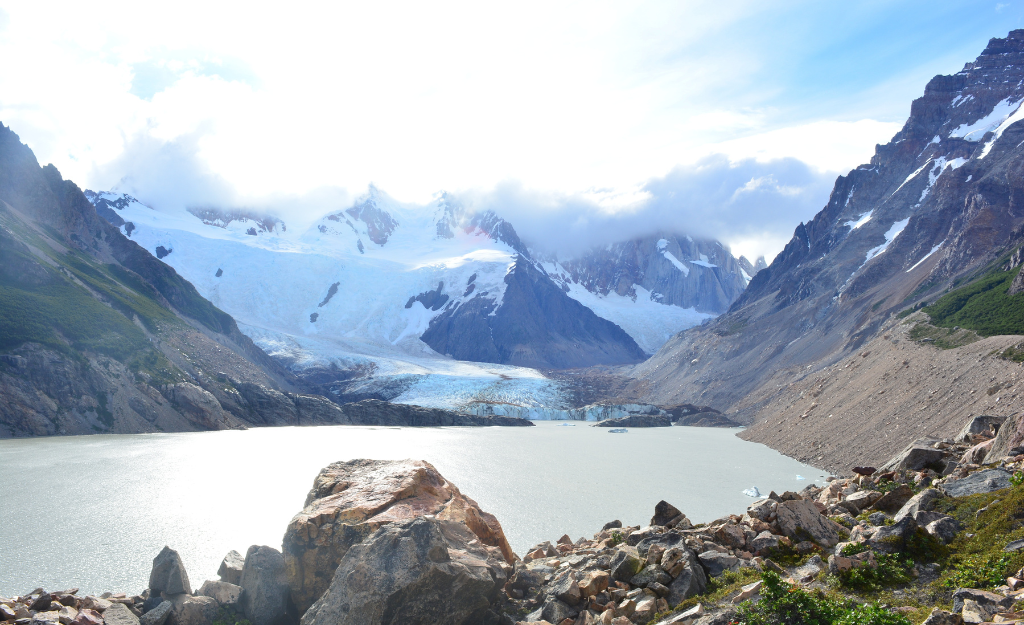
800, 519
424, 570
351, 500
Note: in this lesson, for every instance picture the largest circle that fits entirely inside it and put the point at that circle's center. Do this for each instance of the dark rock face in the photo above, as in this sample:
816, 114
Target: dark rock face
424, 570
536, 325
676, 270
976, 483
265, 593
379, 223
431, 300
846, 271
168, 575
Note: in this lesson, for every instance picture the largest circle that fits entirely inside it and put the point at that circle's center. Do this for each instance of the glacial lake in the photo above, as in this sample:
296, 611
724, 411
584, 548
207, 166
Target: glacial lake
93, 511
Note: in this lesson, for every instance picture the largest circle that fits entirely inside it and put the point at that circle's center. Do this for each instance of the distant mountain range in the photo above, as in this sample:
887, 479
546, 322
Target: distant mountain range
383, 299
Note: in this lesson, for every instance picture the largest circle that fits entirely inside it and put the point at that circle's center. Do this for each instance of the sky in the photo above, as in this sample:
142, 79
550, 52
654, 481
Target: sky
579, 122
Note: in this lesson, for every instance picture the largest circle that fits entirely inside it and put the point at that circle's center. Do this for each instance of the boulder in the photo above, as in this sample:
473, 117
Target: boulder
862, 500
895, 499
423, 570
664, 541
976, 454
983, 425
565, 588
666, 514
981, 482
944, 530
92, 617
650, 574
1009, 441
553, 611
594, 582
265, 592
230, 570
188, 610
625, 563
764, 542
351, 500
157, 616
941, 617
717, 562
990, 601
916, 456
168, 575
119, 614
893, 538
800, 520
690, 580
222, 592
921, 502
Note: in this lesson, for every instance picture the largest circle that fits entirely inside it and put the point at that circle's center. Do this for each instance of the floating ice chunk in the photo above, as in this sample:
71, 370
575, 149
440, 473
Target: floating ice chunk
800, 477
988, 123
617, 431
753, 492
566, 425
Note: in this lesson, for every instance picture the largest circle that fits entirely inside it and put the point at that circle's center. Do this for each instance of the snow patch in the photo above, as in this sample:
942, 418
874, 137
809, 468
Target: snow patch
974, 132
938, 167
860, 221
934, 249
1009, 121
663, 248
891, 235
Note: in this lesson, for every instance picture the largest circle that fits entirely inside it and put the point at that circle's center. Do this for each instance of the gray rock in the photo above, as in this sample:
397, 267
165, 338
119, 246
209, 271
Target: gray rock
666, 541
1009, 441
988, 600
719, 618
923, 501
878, 518
894, 500
980, 482
230, 570
565, 588
861, 499
158, 615
915, 456
626, 563
717, 562
222, 592
168, 575
265, 593
944, 530
650, 574
764, 542
979, 425
941, 617
689, 582
553, 611
119, 614
188, 610
893, 538
1016, 545
666, 514
799, 519
423, 570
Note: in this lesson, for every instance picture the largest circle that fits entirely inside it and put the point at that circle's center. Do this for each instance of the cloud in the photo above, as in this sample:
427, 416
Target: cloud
750, 205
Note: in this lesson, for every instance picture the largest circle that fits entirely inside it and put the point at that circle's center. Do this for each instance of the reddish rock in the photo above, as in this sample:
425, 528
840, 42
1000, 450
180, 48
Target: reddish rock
351, 500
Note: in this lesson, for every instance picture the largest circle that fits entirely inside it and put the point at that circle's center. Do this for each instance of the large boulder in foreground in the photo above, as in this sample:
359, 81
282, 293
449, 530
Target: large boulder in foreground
1009, 441
799, 519
416, 571
265, 599
351, 500
168, 574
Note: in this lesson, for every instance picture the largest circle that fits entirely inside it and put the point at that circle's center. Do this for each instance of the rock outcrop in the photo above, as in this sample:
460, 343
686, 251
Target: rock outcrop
351, 500
636, 421
422, 570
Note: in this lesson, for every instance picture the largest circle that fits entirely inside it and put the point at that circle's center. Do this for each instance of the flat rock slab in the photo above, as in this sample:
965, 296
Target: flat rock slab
119, 614
981, 482
1016, 545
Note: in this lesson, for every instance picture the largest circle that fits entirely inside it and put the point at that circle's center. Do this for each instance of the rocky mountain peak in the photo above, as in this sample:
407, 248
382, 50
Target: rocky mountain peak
379, 222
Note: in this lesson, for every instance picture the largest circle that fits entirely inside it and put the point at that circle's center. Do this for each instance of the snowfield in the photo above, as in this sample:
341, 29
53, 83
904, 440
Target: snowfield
356, 290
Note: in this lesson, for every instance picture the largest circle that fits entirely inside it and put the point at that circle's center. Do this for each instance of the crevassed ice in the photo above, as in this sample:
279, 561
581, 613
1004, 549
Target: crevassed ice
978, 129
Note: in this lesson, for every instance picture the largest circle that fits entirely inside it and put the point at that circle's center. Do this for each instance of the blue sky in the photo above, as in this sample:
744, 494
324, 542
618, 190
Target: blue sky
555, 112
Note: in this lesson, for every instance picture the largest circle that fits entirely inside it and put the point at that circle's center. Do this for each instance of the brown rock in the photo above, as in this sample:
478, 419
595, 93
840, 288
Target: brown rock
893, 500
593, 583
88, 617
799, 519
351, 500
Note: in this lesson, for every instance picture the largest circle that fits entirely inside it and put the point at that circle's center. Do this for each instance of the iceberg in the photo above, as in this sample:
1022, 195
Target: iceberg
753, 492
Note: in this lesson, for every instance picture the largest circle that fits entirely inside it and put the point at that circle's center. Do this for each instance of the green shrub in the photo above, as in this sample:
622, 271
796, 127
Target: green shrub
892, 570
785, 604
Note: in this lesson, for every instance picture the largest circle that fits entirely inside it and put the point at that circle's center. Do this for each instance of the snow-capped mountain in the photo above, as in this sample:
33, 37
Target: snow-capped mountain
385, 299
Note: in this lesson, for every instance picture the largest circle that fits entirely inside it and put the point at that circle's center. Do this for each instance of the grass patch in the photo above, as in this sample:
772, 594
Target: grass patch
893, 570
982, 305
719, 588
941, 337
785, 604
976, 557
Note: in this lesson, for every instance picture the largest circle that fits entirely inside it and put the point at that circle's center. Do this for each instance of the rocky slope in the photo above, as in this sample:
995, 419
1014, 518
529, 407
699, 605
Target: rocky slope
936, 203
98, 335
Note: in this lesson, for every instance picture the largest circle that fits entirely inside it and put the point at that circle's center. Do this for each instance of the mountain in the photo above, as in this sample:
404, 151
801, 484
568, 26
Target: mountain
934, 206
98, 335
437, 305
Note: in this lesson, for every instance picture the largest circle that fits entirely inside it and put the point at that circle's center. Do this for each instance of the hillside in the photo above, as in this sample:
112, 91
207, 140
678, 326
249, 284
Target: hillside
935, 206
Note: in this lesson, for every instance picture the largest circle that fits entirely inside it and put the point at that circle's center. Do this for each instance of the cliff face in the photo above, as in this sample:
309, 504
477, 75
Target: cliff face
940, 200
97, 335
